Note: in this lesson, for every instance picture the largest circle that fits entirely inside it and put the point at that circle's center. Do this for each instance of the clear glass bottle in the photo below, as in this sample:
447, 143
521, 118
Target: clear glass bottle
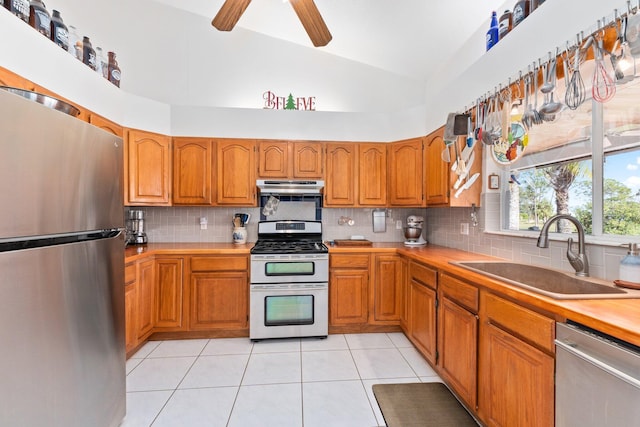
59, 31
39, 18
88, 53
520, 12
102, 67
20, 8
75, 43
114, 69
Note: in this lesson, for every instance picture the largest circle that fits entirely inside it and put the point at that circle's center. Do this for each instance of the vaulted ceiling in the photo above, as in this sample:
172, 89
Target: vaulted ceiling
382, 56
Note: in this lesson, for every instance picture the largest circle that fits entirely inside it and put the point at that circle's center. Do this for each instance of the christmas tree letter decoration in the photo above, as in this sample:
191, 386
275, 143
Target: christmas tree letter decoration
291, 105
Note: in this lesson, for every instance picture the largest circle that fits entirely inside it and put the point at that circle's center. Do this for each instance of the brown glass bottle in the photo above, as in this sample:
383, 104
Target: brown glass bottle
114, 69
39, 18
20, 8
520, 12
88, 54
59, 31
505, 23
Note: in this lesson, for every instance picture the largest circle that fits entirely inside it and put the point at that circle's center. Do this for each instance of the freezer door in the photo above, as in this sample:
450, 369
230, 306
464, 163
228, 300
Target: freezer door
62, 361
58, 174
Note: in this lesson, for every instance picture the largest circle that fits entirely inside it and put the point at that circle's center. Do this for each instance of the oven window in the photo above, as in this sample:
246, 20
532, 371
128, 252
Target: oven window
288, 310
289, 268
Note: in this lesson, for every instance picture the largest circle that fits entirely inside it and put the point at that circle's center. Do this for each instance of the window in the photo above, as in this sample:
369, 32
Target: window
585, 163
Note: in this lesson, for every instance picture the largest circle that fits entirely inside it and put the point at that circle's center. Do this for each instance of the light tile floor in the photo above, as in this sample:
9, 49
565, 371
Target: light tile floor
295, 382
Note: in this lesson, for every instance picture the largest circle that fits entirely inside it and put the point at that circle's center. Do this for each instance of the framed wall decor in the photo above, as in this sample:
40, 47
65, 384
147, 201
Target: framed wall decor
494, 181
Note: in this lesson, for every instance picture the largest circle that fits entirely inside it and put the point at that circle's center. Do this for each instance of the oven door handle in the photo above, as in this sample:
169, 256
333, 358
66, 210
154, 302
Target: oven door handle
573, 349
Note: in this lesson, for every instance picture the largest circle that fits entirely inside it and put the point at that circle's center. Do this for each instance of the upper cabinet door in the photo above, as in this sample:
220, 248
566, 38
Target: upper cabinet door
307, 160
148, 168
236, 176
274, 159
106, 125
192, 171
340, 186
406, 173
372, 174
437, 176
11, 79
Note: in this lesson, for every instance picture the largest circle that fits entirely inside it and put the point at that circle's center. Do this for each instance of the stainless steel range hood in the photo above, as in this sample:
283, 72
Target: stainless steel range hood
273, 186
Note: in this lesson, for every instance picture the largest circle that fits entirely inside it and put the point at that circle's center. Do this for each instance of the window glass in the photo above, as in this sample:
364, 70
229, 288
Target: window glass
596, 144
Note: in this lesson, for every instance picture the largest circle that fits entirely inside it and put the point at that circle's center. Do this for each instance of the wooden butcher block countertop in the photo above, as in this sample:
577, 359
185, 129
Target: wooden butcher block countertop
617, 317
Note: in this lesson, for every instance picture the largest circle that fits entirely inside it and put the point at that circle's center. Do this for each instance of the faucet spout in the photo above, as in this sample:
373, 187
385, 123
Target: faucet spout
578, 261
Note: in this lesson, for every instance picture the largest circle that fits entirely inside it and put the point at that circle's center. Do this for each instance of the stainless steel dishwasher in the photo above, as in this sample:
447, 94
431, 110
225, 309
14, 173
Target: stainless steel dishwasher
597, 379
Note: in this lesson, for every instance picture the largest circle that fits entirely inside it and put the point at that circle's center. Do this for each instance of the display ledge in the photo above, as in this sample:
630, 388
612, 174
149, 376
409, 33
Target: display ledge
619, 318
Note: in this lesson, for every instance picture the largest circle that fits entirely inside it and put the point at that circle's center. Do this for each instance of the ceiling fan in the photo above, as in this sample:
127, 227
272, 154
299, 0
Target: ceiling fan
307, 12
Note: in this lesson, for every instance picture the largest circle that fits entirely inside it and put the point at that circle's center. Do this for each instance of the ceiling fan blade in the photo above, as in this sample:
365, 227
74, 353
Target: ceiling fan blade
312, 21
229, 14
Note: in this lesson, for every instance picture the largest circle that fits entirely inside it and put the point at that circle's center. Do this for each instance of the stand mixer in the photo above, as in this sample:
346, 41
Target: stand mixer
413, 231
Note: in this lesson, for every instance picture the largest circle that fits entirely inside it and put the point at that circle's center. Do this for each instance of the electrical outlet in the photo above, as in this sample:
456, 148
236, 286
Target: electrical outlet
398, 225
203, 223
464, 228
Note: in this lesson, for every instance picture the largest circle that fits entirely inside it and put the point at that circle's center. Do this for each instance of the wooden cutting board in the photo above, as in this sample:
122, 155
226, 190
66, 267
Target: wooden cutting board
349, 242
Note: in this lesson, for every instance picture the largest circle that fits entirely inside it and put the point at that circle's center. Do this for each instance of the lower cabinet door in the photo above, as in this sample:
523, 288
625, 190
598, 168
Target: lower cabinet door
458, 336
422, 319
219, 300
516, 381
348, 301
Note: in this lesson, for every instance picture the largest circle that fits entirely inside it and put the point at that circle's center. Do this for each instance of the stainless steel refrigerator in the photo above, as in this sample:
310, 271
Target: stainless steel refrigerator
62, 357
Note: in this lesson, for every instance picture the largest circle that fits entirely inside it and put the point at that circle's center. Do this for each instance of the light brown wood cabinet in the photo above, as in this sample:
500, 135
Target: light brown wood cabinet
147, 168
236, 172
406, 173
436, 186
168, 312
341, 184
372, 174
130, 308
11, 79
458, 337
307, 159
421, 319
516, 365
440, 179
106, 125
348, 289
219, 293
289, 159
145, 298
387, 297
193, 171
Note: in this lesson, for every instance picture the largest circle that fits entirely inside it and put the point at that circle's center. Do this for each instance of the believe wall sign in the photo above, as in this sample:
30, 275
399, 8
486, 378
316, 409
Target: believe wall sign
275, 102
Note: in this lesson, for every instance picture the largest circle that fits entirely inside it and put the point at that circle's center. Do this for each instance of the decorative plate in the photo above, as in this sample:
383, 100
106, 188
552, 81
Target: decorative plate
508, 151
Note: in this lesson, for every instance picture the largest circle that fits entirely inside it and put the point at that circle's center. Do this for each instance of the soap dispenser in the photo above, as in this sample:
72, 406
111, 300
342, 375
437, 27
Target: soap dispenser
630, 266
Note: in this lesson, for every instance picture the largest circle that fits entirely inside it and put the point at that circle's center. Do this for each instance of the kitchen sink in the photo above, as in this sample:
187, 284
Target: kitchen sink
553, 283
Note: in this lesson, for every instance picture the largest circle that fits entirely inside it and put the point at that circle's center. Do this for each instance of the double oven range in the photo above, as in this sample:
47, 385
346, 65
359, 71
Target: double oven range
289, 290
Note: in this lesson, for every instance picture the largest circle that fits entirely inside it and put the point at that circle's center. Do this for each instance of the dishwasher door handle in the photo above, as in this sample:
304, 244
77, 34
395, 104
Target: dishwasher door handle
635, 382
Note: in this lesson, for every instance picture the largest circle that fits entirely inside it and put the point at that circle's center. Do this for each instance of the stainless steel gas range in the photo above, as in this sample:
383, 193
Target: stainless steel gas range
289, 291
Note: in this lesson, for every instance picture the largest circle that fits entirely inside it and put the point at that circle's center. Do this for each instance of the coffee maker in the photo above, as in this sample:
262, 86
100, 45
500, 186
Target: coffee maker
135, 228
413, 231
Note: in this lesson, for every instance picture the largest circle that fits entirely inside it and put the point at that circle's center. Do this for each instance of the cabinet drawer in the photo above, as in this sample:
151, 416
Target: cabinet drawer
462, 293
423, 274
533, 327
219, 263
130, 273
349, 261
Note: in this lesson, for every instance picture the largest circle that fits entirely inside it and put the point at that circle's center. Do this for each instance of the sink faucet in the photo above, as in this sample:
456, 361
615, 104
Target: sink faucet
578, 261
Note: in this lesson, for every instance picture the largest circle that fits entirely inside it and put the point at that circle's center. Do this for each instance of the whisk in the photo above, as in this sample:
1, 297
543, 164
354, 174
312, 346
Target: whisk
604, 87
576, 92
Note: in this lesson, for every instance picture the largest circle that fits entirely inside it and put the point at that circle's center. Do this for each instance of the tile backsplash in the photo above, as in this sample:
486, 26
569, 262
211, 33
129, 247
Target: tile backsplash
182, 224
